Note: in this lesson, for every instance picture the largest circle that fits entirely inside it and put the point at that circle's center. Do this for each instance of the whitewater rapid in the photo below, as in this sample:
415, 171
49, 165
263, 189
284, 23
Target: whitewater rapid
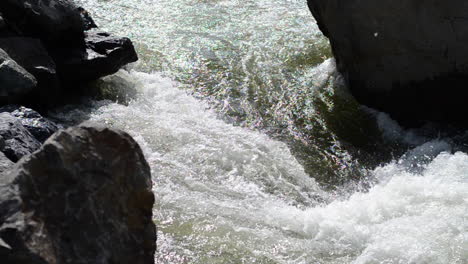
226, 194
212, 77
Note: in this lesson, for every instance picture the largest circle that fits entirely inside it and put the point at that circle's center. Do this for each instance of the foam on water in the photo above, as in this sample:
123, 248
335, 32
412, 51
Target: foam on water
225, 194
408, 218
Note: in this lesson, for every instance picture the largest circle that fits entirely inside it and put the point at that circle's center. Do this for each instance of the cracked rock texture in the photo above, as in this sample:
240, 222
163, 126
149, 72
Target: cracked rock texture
84, 197
405, 57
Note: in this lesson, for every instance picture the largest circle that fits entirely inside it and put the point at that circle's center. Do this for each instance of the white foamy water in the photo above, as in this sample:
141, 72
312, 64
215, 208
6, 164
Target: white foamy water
225, 194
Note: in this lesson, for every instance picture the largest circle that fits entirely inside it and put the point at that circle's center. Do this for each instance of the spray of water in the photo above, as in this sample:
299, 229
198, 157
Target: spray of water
226, 194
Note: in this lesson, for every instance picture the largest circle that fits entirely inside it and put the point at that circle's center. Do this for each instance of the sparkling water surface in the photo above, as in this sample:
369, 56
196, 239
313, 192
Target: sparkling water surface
214, 79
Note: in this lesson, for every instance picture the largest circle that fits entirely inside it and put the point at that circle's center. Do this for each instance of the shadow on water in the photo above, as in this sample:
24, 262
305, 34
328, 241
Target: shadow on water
92, 96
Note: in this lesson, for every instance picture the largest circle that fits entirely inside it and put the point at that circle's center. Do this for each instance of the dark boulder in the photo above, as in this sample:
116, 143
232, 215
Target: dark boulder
40, 127
408, 58
84, 197
30, 54
55, 22
105, 55
15, 81
18, 142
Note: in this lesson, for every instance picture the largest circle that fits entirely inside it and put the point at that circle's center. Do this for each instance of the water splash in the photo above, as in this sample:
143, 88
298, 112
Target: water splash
226, 194
261, 64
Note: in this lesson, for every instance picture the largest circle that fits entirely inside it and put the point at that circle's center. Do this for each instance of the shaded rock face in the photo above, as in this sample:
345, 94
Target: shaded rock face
15, 81
408, 58
32, 55
104, 52
56, 22
50, 40
87, 19
84, 197
5, 164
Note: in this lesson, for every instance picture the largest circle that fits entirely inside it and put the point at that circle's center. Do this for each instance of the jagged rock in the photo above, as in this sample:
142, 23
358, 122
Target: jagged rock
408, 58
105, 55
15, 81
18, 141
87, 19
32, 56
40, 127
55, 22
84, 197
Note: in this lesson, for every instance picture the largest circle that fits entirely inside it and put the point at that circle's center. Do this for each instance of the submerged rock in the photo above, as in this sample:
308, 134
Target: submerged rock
84, 197
116, 88
407, 58
18, 141
40, 127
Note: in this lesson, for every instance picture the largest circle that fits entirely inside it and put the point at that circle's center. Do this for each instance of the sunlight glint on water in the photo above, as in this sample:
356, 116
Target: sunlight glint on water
226, 194
229, 195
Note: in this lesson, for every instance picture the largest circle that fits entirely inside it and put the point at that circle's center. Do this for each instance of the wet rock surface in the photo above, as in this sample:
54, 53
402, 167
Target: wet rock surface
84, 197
22, 130
18, 141
407, 58
40, 127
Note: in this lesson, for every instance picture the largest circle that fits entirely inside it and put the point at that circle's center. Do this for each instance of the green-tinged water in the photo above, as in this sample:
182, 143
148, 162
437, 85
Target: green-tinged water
258, 152
258, 63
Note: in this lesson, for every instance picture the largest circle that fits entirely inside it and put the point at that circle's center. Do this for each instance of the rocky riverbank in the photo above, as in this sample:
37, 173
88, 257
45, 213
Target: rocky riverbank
80, 195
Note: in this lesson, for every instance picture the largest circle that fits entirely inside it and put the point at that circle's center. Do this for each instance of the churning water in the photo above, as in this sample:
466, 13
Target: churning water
216, 82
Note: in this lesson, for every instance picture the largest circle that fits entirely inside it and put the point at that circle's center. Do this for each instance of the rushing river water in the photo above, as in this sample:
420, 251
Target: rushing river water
258, 153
